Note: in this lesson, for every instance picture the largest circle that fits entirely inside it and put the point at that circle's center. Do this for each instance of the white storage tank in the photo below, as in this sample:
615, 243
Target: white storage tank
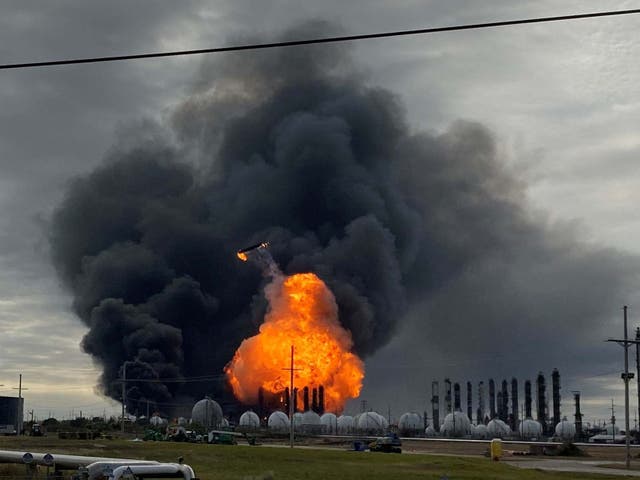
311, 422
208, 413
346, 424
456, 424
530, 429
249, 421
372, 422
410, 423
297, 421
565, 430
498, 429
481, 432
329, 423
278, 422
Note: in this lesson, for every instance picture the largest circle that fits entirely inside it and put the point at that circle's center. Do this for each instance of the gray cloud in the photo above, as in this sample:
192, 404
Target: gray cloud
432, 229
57, 123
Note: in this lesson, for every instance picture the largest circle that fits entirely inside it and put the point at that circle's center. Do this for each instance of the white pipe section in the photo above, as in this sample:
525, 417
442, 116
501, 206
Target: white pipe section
155, 470
61, 460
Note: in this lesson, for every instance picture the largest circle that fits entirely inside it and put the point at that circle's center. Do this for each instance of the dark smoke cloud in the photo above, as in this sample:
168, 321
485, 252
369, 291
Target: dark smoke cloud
294, 147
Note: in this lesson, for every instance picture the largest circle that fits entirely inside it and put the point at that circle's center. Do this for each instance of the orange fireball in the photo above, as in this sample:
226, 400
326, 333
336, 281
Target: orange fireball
303, 313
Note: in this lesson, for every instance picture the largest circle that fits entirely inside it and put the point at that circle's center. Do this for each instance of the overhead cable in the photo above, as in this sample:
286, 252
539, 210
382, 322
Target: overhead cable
313, 41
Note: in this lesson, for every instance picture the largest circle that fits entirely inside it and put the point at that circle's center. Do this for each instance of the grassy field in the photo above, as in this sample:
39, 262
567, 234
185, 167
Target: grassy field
242, 462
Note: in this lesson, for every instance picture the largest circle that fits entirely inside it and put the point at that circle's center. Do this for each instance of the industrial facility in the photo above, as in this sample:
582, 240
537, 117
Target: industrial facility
504, 416
11, 414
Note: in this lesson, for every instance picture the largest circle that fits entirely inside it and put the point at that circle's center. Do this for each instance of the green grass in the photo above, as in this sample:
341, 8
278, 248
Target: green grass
243, 462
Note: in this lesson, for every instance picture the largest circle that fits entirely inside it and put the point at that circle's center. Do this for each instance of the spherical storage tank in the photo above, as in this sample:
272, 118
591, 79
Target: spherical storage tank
481, 432
329, 423
530, 429
372, 422
565, 430
346, 424
297, 420
249, 421
456, 424
311, 422
207, 413
278, 422
410, 423
498, 429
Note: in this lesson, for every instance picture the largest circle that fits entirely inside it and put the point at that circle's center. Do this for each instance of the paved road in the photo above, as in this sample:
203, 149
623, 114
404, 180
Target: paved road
574, 466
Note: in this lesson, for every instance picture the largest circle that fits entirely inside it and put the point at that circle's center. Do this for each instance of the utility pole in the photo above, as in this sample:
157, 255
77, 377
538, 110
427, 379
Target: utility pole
638, 366
124, 393
20, 404
626, 376
291, 396
613, 423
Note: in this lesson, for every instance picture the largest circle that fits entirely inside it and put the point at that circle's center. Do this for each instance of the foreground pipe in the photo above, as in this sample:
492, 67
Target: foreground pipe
60, 460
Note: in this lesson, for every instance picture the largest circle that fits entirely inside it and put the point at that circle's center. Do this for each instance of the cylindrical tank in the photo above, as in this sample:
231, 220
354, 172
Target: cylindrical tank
496, 449
278, 422
430, 432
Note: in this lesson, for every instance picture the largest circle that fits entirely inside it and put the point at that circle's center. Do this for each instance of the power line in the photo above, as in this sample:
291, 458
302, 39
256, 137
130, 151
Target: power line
204, 378
292, 43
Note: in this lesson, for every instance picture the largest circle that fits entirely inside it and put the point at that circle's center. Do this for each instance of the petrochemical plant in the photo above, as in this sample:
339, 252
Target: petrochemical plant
496, 413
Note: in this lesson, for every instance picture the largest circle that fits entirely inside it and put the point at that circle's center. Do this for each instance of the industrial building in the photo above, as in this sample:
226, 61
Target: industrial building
504, 415
11, 414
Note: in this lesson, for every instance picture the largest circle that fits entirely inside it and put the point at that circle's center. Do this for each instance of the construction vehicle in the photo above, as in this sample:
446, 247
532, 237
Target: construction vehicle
389, 444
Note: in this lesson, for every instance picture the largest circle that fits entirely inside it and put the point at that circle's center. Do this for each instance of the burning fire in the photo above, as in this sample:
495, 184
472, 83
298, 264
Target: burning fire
303, 313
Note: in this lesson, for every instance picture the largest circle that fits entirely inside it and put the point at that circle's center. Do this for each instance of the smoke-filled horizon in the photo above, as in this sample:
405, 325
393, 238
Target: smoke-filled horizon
427, 234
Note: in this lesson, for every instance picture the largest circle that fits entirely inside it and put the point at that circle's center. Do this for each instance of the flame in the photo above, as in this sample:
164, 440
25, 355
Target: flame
242, 256
303, 313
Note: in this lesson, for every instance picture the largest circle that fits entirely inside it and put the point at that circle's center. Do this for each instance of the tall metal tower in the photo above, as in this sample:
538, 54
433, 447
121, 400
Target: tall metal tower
555, 385
514, 404
492, 399
435, 405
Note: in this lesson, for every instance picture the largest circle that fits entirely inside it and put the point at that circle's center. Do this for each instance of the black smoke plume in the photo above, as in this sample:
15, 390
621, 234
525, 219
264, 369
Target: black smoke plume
294, 147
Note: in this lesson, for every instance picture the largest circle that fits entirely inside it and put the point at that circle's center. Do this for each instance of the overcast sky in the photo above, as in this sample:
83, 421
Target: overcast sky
562, 101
